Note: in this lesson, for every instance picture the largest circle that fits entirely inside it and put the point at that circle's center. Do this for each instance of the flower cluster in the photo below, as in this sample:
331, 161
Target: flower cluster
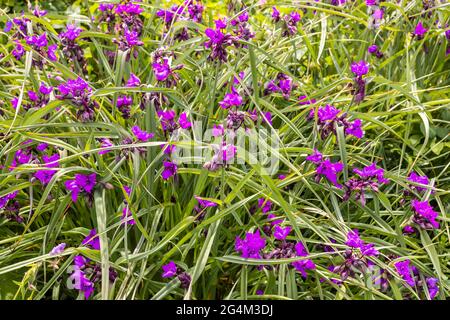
412, 276
282, 84
171, 270
79, 93
326, 168
86, 273
359, 69
369, 178
329, 118
289, 21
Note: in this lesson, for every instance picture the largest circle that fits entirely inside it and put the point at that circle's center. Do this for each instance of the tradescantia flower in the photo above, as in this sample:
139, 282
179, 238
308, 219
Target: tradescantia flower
251, 245
79, 93
369, 178
281, 233
92, 240
58, 249
223, 155
324, 167
354, 241
373, 49
170, 170
124, 105
218, 42
424, 215
265, 205
414, 177
171, 270
412, 276
141, 135
81, 183
282, 84
232, 99
419, 31
329, 117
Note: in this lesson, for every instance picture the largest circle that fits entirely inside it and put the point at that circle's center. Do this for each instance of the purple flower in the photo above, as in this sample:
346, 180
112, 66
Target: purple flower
169, 270
420, 30
232, 99
161, 70
134, 81
58, 249
409, 230
41, 146
218, 130
275, 14
44, 89
414, 177
72, 32
82, 283
37, 41
127, 215
124, 105
300, 249
315, 157
251, 245
281, 233
303, 100
218, 42
45, 176
205, 203
433, 289
353, 239
355, 129
4, 200
424, 215
105, 143
81, 183
372, 172
303, 265
330, 171
170, 169
19, 51
92, 240
265, 205
141, 135
51, 52
373, 48
406, 271
360, 68
183, 121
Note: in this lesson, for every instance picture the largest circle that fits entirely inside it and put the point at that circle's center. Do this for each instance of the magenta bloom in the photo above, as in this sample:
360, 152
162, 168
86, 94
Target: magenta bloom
183, 121
170, 170
126, 215
105, 143
218, 130
57, 249
92, 240
72, 32
303, 265
161, 70
354, 128
265, 205
420, 30
134, 81
424, 215
330, 171
281, 233
141, 135
354, 241
232, 99
360, 68
205, 203
81, 183
414, 177
169, 270
315, 157
82, 283
406, 271
372, 172
251, 245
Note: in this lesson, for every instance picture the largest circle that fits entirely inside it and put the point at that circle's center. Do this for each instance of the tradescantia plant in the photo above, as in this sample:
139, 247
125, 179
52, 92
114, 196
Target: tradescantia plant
246, 150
